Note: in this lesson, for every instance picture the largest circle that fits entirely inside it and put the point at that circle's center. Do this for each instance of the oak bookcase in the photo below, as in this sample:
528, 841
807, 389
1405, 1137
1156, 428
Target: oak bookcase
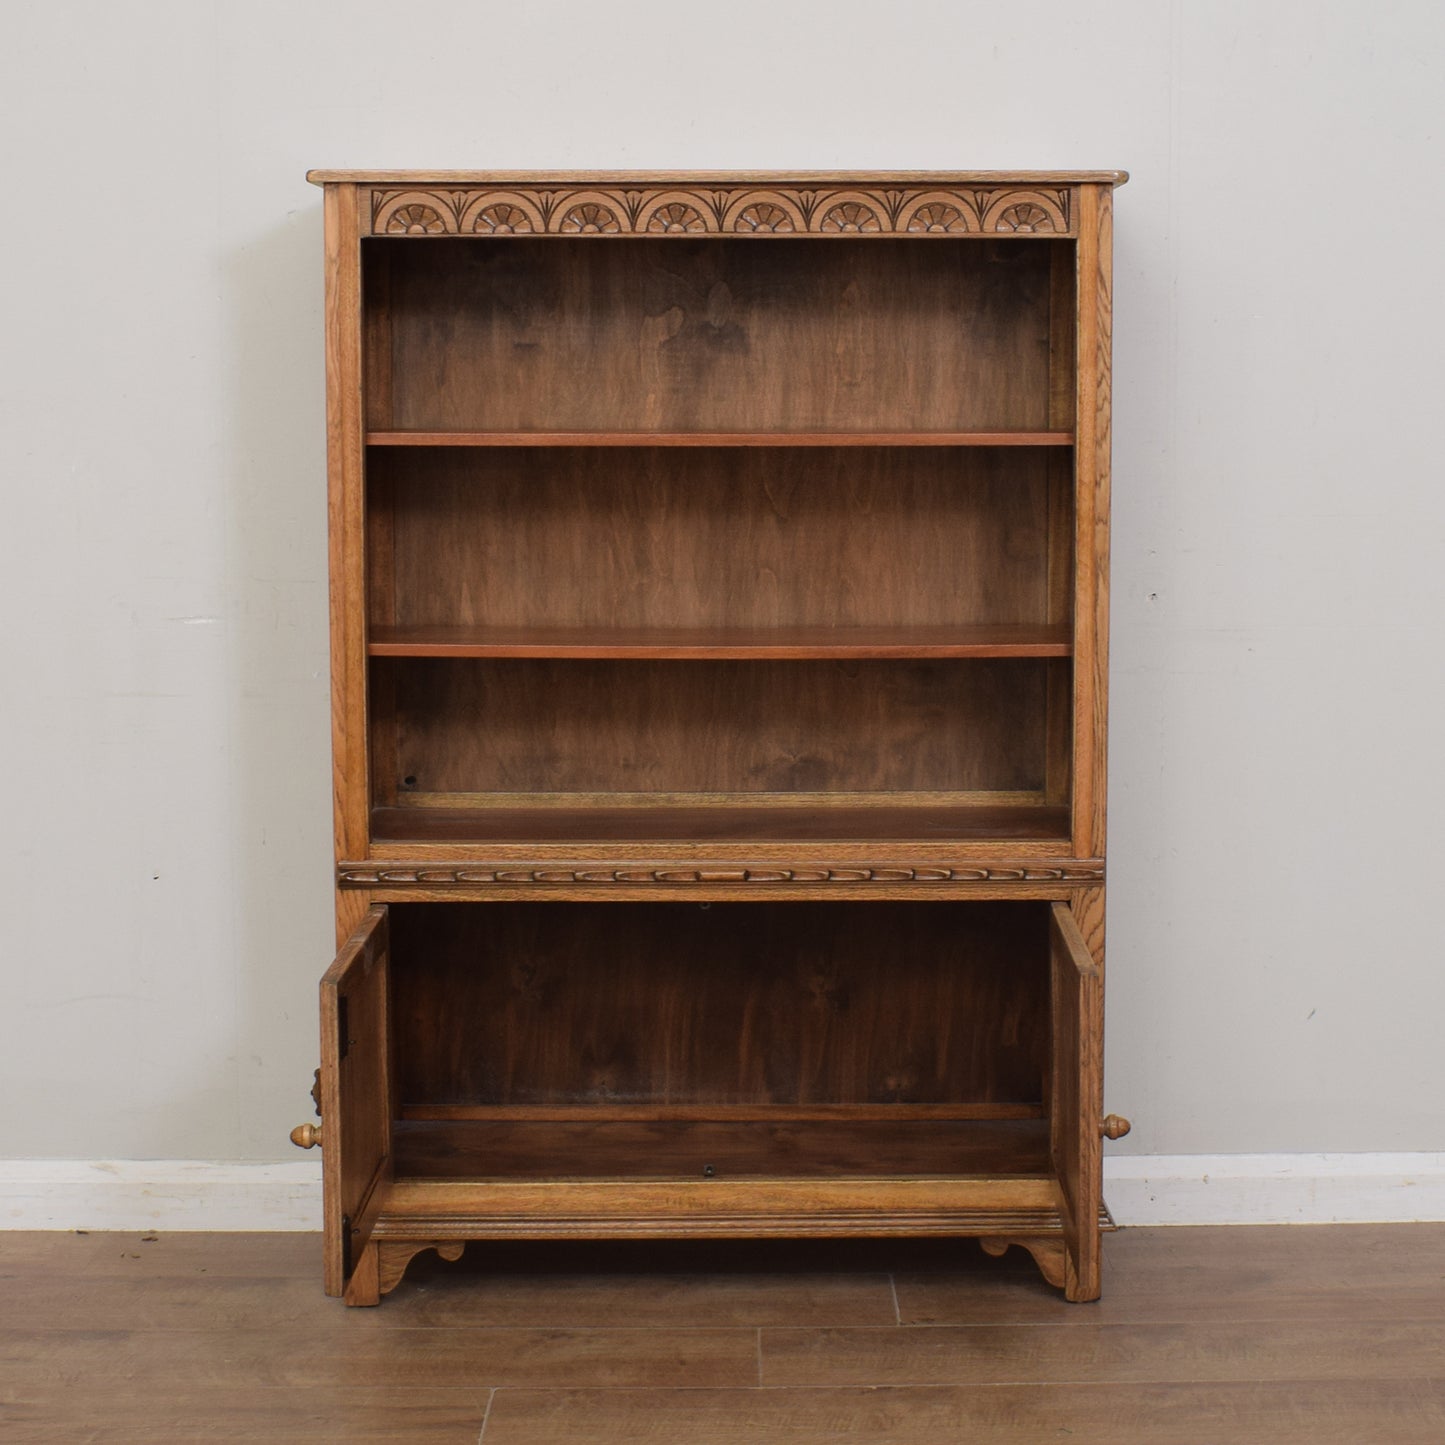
718, 628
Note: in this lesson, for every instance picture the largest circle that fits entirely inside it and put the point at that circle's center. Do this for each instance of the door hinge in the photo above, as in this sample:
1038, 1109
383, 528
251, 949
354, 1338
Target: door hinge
346, 1246
343, 1028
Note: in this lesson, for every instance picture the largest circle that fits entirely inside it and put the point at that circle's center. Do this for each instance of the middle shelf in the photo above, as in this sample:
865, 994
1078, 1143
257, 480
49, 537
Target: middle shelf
726, 643
658, 438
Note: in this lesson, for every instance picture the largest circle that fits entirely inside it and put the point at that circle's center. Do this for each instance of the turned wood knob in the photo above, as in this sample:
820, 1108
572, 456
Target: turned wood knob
1115, 1126
306, 1136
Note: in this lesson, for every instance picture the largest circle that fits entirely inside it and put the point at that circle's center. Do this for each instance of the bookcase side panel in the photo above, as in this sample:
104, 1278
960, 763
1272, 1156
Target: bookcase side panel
1091, 615
345, 451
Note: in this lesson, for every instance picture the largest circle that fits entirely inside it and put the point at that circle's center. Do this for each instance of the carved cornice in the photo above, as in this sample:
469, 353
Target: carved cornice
736, 211
404, 875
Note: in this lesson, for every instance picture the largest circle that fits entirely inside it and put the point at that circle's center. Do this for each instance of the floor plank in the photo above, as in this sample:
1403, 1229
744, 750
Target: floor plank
1115, 1354
460, 1301
401, 1358
1405, 1412
127, 1415
44, 1253
1343, 1273
1225, 1336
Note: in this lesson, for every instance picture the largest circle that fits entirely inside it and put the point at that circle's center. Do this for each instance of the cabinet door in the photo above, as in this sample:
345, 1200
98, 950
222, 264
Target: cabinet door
356, 1100
1076, 1098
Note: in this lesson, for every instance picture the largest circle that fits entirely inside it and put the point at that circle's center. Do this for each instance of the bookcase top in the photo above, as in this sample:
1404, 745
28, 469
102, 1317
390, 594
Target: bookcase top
682, 203
424, 178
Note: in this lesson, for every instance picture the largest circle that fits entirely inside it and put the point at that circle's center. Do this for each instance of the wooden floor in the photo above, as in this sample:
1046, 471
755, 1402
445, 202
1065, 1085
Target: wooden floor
1269, 1336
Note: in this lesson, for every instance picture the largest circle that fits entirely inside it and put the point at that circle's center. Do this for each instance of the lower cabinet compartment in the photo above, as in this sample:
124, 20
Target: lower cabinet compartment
607, 1004
536, 1070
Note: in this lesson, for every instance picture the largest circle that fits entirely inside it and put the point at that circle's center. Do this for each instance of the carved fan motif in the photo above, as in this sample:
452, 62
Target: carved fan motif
741, 211
1025, 217
676, 216
503, 219
937, 216
415, 220
764, 216
851, 216
589, 218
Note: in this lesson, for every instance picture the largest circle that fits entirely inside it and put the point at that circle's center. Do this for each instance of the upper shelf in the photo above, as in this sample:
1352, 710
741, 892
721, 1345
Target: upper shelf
720, 438
724, 643
717, 823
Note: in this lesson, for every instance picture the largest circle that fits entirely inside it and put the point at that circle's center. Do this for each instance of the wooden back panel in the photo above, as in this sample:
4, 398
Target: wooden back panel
715, 334
750, 537
752, 1003
519, 726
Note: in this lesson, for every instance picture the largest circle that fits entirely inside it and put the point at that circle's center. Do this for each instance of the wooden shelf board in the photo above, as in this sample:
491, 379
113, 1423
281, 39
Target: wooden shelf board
769, 823
659, 1113
724, 642
719, 439
323, 176
715, 1208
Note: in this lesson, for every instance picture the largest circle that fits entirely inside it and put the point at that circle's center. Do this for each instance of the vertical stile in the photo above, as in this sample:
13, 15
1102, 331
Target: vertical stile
1092, 517
346, 515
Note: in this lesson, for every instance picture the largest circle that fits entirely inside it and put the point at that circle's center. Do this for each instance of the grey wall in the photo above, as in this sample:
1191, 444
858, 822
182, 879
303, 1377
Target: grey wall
1277, 791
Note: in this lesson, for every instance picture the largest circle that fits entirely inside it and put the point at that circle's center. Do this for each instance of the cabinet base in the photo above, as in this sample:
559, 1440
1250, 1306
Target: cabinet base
1047, 1250
417, 1215
383, 1264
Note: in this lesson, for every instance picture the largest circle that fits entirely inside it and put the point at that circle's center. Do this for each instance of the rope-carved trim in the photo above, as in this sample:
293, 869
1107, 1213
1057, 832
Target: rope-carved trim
462, 876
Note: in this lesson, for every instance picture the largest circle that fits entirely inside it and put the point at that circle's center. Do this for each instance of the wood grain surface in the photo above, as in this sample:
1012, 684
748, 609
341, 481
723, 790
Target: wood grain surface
738, 1003
718, 335
713, 537
346, 532
913, 437
531, 726
1309, 1335
699, 822
788, 528
1076, 1085
477, 1149
356, 1096
321, 177
724, 643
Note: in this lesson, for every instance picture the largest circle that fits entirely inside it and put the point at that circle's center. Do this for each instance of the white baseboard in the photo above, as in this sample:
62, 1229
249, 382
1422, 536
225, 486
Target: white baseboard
1275, 1188
182, 1194
171, 1194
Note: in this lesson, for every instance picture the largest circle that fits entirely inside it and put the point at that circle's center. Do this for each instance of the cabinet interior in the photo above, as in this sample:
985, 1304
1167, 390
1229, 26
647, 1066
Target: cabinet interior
679, 1040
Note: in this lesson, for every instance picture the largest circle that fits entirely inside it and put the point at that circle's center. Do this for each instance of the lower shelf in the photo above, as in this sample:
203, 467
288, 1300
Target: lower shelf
475, 1179
425, 1209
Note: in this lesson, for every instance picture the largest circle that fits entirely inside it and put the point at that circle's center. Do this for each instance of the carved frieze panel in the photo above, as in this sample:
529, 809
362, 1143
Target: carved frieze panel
736, 211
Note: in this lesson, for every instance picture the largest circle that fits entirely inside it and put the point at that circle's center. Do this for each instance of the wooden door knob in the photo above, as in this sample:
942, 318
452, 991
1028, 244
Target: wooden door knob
1115, 1126
306, 1136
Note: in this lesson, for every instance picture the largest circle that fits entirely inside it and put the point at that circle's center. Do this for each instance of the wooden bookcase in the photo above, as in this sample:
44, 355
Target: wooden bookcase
719, 604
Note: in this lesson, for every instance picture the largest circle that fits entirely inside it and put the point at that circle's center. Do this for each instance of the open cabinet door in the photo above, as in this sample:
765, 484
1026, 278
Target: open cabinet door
356, 1107
1076, 1098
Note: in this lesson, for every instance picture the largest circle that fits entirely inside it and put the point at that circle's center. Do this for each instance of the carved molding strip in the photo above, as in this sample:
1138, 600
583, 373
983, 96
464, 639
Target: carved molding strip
737, 211
463, 876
